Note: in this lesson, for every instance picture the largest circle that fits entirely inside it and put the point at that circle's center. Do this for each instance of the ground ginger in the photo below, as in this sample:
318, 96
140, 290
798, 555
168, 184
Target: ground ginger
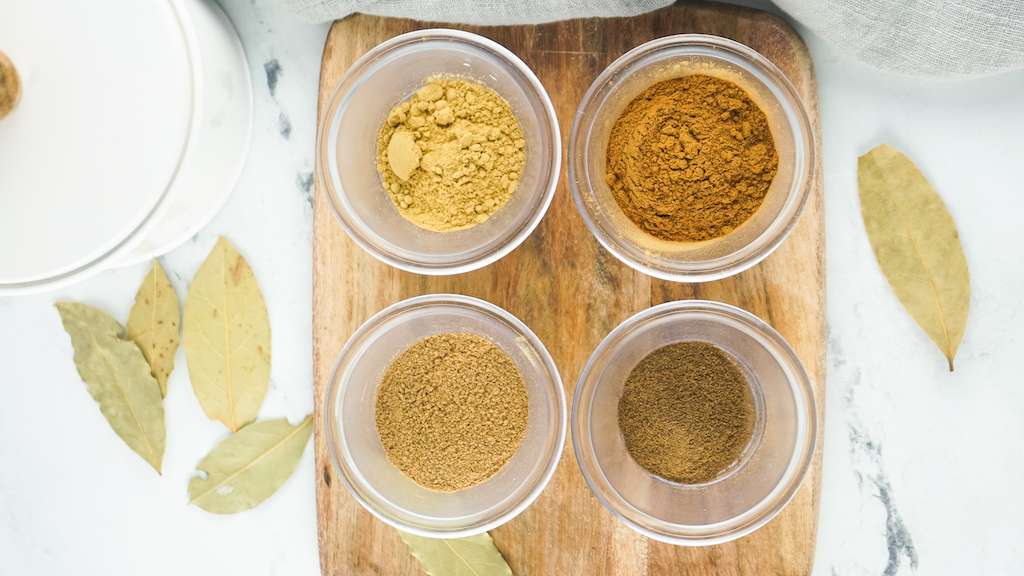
451, 155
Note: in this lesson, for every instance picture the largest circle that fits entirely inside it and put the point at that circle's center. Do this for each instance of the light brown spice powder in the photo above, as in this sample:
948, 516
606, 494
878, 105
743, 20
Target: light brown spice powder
451, 411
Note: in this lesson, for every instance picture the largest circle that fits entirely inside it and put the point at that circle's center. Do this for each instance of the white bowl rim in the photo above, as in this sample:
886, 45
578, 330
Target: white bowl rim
109, 259
236, 165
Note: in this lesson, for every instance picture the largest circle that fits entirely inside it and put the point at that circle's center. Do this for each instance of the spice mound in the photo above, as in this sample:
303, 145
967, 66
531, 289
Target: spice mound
686, 412
451, 411
691, 158
451, 155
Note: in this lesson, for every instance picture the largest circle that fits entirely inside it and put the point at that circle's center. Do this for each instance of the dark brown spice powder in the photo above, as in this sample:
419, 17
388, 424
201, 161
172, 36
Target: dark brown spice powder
686, 412
691, 158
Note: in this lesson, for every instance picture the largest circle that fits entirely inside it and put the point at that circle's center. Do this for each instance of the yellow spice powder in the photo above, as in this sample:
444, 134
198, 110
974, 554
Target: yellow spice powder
451, 155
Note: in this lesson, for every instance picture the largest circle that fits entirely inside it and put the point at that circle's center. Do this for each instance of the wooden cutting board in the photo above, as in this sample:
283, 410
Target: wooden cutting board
572, 293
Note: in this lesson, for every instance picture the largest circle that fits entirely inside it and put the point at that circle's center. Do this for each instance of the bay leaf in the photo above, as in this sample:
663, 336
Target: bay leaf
118, 378
249, 466
917, 245
472, 556
227, 338
153, 323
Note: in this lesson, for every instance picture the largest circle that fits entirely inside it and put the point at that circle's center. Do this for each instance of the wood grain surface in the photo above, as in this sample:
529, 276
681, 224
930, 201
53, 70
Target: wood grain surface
572, 293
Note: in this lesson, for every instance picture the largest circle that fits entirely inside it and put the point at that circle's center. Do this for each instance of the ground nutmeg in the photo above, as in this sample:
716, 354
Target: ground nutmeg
686, 412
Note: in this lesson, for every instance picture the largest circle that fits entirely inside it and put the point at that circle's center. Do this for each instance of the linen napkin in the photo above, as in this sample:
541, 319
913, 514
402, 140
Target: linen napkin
939, 38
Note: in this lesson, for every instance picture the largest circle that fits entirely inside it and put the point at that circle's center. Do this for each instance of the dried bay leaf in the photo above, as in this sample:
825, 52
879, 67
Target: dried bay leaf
249, 466
153, 323
227, 338
118, 378
472, 556
917, 245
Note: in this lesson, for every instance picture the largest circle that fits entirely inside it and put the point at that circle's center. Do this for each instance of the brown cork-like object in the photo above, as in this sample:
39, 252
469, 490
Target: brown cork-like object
572, 293
10, 86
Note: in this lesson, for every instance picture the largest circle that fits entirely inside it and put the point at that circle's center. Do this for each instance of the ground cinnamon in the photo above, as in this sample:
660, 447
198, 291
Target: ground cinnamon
691, 158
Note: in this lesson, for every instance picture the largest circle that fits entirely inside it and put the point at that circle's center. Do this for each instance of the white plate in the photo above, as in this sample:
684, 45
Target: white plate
133, 126
220, 144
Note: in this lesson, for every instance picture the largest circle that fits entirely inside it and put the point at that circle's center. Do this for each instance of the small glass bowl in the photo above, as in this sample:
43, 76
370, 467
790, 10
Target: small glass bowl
360, 458
745, 496
347, 150
672, 57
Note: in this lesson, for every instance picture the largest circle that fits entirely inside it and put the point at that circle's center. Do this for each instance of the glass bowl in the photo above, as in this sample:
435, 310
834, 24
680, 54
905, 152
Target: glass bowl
346, 150
356, 449
747, 495
672, 57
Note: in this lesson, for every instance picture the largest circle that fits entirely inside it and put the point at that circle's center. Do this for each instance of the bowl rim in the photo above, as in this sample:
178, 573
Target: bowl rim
800, 383
156, 208
214, 15
805, 179
335, 387
328, 120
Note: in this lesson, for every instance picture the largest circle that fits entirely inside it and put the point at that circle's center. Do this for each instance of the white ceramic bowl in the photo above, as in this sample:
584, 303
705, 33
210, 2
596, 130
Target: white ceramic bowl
125, 150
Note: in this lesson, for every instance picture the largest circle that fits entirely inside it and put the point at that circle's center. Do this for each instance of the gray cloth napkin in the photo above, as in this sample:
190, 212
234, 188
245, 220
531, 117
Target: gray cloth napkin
940, 38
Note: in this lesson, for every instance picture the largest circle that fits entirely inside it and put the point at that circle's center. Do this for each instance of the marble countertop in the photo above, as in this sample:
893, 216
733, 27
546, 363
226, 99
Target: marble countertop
921, 467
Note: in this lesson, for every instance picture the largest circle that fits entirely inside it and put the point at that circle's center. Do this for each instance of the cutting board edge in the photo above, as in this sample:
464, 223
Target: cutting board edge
817, 198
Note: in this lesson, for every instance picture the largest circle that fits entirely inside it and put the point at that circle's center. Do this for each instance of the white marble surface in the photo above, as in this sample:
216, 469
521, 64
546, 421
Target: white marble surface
922, 467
